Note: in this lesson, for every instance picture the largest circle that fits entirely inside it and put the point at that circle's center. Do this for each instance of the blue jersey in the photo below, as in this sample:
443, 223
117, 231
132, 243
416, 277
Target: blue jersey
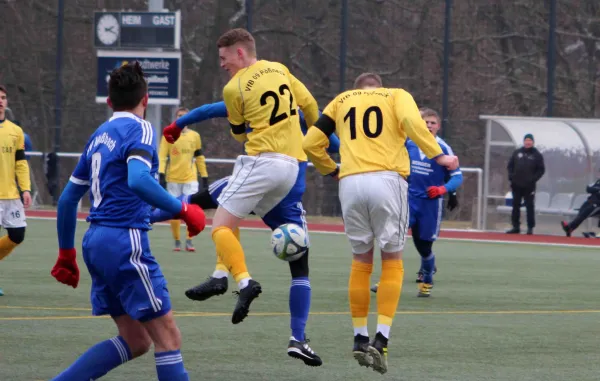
103, 166
425, 173
28, 145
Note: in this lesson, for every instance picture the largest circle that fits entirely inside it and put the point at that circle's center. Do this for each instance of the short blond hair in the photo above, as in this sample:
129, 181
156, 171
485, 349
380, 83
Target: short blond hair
180, 109
235, 36
368, 79
426, 112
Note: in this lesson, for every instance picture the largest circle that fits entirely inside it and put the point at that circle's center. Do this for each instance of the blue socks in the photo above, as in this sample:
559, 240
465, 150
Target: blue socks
299, 306
97, 361
169, 366
427, 266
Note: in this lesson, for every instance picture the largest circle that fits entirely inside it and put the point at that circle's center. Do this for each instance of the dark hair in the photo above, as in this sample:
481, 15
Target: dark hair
368, 79
127, 86
238, 35
3, 89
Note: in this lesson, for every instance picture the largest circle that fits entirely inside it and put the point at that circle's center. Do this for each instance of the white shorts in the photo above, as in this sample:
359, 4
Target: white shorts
375, 208
12, 214
178, 189
258, 183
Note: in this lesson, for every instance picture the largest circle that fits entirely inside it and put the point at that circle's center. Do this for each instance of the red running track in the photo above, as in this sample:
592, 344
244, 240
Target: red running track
462, 235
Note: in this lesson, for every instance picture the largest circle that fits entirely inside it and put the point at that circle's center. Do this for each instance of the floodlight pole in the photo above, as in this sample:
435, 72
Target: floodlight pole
551, 59
154, 112
447, 51
58, 85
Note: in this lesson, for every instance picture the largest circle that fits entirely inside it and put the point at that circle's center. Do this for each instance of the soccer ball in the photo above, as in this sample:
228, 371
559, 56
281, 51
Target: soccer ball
289, 242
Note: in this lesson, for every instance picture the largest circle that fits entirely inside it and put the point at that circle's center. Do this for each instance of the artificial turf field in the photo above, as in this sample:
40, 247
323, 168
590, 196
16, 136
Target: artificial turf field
498, 312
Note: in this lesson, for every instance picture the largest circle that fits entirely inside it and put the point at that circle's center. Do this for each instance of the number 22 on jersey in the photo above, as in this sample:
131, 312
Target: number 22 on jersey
275, 117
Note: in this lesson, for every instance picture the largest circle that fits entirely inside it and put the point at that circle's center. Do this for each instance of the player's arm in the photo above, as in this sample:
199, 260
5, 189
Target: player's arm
305, 100
334, 144
334, 141
233, 103
316, 142
66, 270
138, 152
163, 155
28, 145
21, 165
202, 113
410, 118
454, 179
201, 162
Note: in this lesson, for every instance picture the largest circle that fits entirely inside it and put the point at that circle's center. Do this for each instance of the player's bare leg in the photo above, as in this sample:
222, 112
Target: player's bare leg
134, 334
167, 343
232, 253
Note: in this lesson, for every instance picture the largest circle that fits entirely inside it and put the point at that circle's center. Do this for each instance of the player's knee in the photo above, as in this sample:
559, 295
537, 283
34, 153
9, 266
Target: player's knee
299, 267
423, 247
139, 343
17, 235
164, 333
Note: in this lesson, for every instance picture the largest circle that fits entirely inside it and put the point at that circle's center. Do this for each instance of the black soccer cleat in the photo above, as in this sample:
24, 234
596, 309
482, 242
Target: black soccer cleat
300, 350
360, 351
245, 297
565, 226
211, 287
379, 352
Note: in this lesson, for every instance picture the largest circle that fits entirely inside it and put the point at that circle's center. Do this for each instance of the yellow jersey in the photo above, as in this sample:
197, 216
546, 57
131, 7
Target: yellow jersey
177, 160
262, 102
13, 165
372, 126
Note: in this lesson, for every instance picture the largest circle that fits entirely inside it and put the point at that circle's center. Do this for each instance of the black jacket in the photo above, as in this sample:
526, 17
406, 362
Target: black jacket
594, 191
525, 167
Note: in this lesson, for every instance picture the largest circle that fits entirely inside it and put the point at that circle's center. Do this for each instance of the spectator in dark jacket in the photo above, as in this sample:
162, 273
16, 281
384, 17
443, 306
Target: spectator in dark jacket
525, 169
589, 208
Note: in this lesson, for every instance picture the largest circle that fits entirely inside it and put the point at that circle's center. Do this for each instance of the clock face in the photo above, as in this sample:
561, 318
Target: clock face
107, 29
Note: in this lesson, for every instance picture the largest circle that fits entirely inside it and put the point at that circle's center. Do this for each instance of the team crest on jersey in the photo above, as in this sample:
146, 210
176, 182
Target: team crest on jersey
174, 151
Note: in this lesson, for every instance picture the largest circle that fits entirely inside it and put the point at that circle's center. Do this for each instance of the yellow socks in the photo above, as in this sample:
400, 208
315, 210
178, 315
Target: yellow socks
175, 226
6, 246
221, 270
360, 296
232, 254
388, 294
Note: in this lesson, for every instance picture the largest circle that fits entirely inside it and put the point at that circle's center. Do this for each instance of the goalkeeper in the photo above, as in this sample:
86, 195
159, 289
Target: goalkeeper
589, 208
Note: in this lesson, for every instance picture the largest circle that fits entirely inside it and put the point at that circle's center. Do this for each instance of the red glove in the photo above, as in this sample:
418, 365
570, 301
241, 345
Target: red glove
194, 218
172, 133
65, 270
434, 192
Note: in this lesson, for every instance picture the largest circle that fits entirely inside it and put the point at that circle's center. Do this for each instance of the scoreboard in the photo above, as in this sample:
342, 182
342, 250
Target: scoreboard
137, 30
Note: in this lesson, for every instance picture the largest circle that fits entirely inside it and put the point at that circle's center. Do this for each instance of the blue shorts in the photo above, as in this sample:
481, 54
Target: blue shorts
425, 217
289, 210
126, 279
